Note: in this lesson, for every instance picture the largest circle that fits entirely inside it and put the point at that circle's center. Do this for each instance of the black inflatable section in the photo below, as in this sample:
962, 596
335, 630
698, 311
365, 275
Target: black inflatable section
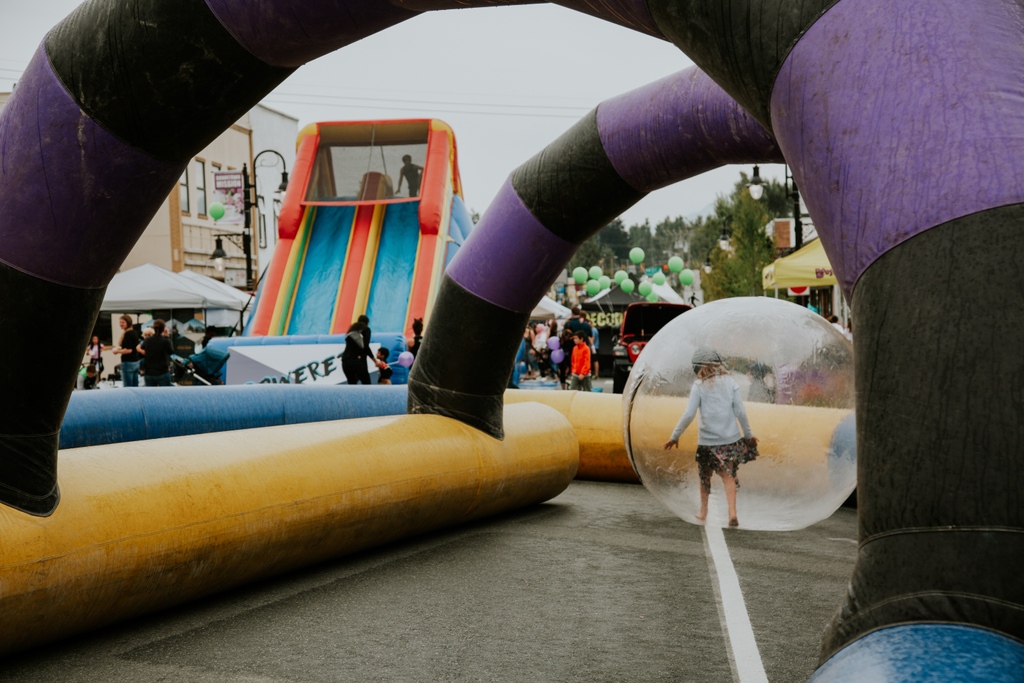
571, 187
195, 80
939, 427
740, 44
452, 380
29, 430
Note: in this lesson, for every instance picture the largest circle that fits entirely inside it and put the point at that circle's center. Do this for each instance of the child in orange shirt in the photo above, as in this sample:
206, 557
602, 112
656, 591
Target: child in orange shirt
580, 368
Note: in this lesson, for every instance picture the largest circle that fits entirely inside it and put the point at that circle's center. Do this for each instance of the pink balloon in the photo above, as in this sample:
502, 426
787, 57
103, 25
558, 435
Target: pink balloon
553, 343
405, 359
557, 356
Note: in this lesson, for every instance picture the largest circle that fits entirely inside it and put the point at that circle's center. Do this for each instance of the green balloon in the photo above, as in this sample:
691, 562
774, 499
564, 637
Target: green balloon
659, 278
604, 281
579, 274
216, 211
595, 273
645, 289
675, 264
627, 285
686, 277
652, 297
593, 287
621, 275
636, 255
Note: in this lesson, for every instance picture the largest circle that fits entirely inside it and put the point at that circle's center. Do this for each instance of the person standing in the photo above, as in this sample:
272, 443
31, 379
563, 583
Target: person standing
578, 323
156, 353
357, 351
127, 349
580, 368
840, 328
412, 174
417, 336
95, 353
720, 448
594, 344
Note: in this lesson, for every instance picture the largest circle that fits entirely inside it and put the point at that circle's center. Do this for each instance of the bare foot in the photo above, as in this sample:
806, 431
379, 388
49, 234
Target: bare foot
733, 521
702, 516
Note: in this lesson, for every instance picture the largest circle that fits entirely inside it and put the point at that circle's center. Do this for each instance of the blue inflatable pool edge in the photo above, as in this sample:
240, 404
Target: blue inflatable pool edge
95, 418
926, 653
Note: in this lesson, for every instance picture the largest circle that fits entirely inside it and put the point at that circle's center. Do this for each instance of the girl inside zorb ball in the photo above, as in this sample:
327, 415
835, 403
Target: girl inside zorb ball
739, 368
719, 446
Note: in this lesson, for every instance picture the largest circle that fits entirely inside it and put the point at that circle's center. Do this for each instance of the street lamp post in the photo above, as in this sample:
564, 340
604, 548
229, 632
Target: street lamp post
244, 241
793, 193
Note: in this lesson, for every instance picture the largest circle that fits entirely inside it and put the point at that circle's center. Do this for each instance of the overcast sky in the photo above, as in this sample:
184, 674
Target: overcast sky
508, 80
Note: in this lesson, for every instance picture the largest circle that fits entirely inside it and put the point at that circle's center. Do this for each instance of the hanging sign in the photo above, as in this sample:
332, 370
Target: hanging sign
227, 189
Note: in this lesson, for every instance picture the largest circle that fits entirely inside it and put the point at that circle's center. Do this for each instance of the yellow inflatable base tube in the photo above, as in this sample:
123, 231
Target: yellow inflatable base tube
597, 419
146, 525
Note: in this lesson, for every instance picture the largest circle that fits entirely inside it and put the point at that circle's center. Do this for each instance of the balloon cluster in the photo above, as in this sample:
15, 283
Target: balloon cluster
594, 281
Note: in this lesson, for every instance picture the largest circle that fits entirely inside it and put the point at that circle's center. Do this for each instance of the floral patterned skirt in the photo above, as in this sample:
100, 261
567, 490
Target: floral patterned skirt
725, 459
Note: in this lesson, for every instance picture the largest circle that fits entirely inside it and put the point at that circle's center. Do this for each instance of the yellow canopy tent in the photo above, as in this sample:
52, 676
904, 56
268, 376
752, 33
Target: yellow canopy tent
806, 267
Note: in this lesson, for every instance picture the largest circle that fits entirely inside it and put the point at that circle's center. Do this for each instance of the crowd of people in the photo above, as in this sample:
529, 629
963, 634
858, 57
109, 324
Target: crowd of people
575, 366
147, 356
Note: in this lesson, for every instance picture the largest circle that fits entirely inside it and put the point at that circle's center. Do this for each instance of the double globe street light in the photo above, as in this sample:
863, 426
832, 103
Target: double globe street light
756, 189
244, 241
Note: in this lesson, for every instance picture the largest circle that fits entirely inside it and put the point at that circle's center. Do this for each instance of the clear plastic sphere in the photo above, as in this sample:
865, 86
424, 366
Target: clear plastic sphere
794, 375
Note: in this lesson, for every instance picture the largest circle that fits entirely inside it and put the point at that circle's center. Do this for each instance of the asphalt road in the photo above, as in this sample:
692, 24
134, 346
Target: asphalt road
600, 584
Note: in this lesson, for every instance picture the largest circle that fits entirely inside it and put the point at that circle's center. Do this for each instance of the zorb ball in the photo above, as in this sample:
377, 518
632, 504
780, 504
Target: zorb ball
793, 373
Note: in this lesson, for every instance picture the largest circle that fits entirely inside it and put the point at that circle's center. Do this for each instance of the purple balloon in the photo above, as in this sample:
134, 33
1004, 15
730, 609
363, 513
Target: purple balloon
553, 343
405, 359
558, 355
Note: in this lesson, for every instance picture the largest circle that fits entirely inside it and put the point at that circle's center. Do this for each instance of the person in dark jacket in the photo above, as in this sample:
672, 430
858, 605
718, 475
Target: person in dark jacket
355, 355
156, 356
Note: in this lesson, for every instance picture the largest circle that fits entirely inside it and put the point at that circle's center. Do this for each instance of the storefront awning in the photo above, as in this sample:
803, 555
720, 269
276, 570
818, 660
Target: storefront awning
806, 267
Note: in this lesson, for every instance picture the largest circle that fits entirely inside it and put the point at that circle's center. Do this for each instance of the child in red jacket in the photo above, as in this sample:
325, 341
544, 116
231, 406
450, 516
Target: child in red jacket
580, 368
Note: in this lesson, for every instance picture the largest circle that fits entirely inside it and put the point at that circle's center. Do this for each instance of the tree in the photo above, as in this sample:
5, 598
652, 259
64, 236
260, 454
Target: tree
615, 236
738, 272
641, 236
593, 253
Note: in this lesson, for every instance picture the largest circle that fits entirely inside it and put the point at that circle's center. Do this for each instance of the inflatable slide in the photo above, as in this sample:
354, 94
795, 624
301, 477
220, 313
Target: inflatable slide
373, 217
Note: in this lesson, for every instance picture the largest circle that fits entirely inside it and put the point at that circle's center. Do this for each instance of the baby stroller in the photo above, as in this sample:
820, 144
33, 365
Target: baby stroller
200, 369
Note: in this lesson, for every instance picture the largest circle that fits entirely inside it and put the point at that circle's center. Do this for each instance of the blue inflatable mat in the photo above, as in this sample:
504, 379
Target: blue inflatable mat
135, 414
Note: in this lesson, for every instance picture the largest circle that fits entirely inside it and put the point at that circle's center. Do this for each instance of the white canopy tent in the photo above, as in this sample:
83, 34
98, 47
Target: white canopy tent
221, 317
549, 308
149, 287
666, 293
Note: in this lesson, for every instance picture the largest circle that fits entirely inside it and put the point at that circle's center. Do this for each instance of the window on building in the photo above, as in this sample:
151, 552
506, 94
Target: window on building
183, 191
200, 187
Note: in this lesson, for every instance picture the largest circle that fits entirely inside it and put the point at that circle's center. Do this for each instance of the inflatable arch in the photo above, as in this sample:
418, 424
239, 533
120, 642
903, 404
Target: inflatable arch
904, 127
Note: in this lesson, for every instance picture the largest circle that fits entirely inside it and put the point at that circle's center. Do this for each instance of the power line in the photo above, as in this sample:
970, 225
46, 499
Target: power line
320, 87
277, 101
428, 102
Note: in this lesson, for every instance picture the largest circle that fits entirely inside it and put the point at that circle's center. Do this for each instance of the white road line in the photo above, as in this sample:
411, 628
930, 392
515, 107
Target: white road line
745, 654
